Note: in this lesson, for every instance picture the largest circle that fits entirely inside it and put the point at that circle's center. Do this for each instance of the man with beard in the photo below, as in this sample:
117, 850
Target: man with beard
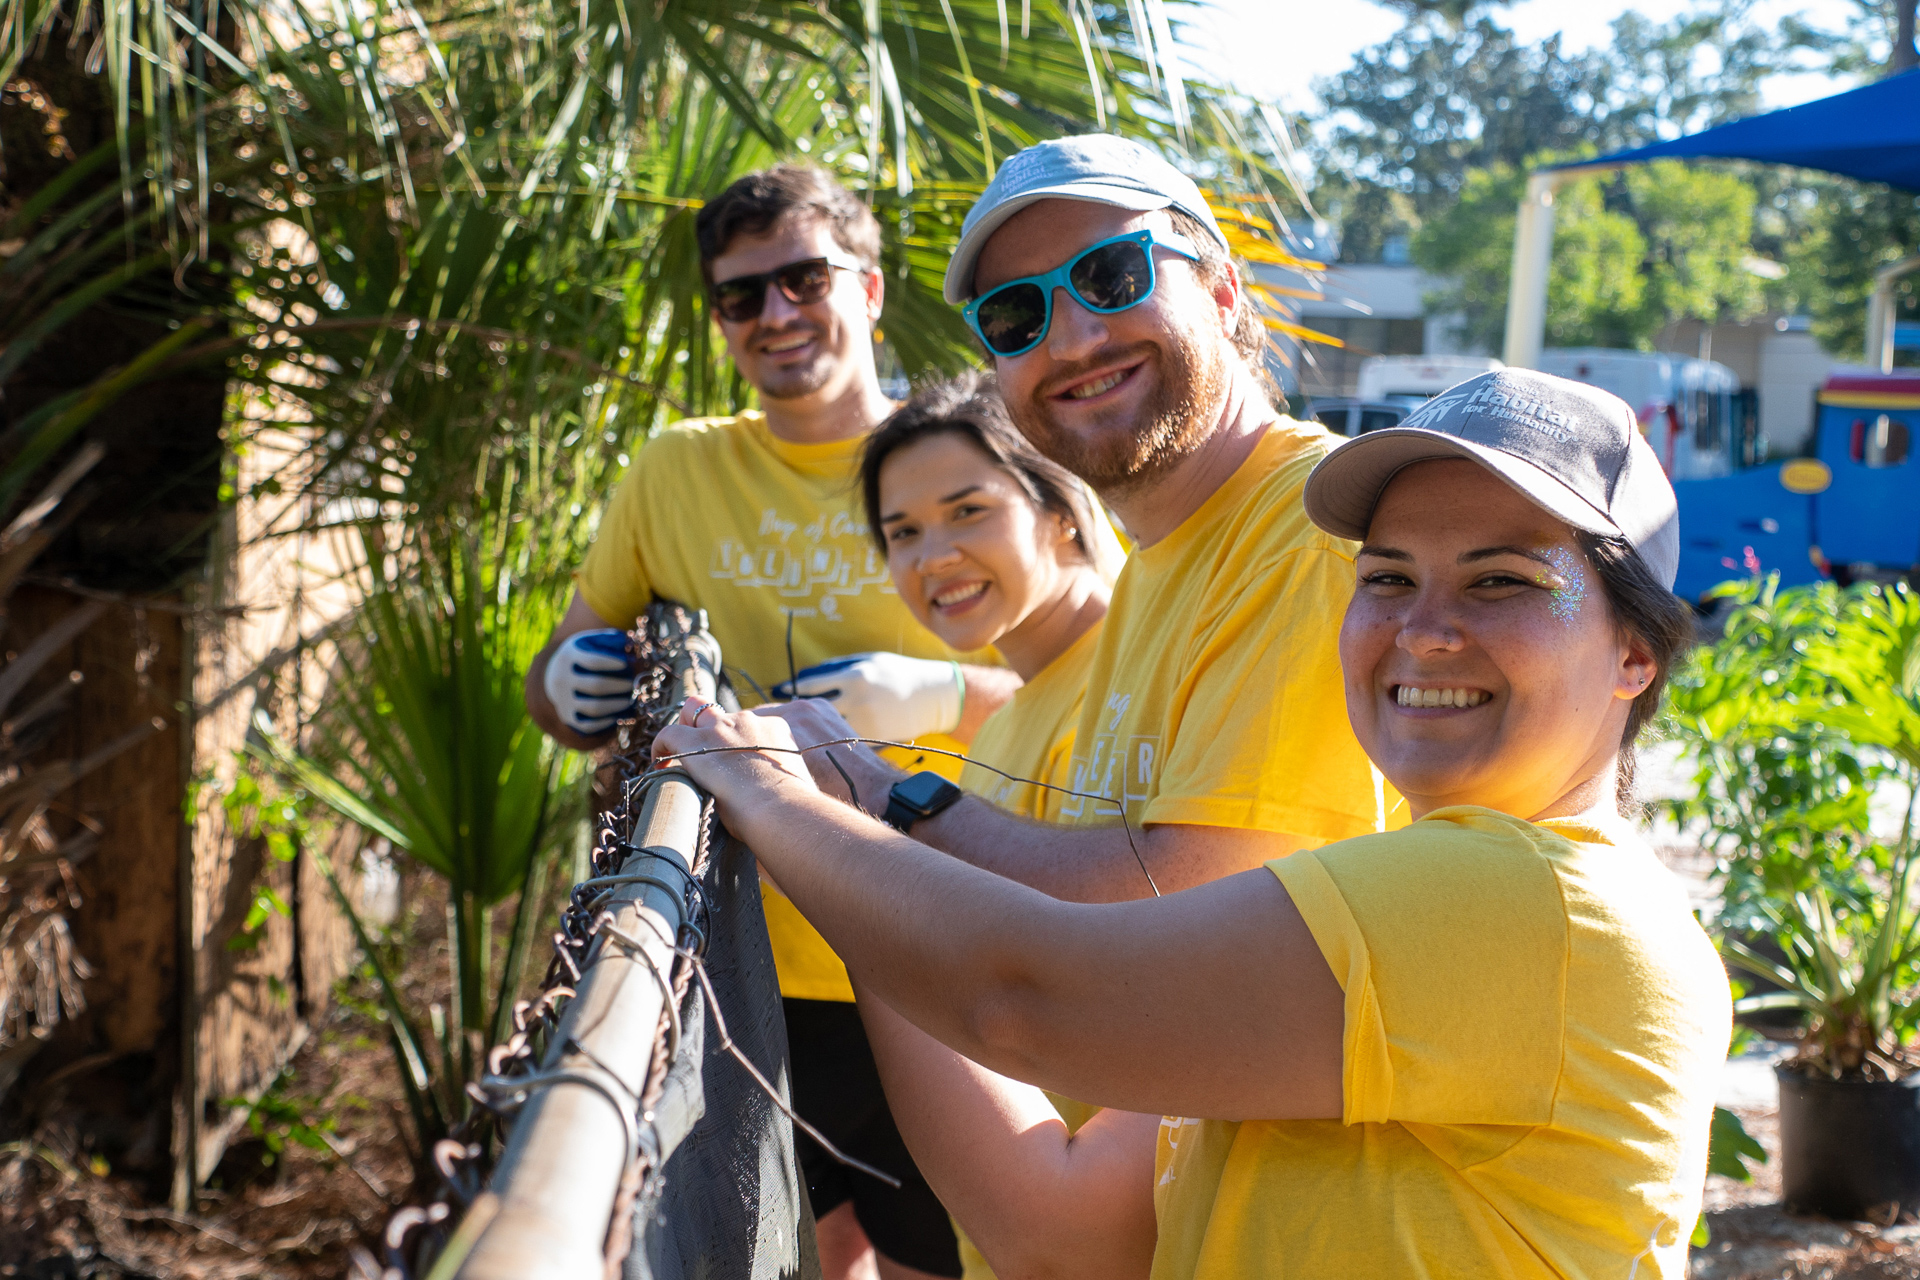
1127, 349
755, 519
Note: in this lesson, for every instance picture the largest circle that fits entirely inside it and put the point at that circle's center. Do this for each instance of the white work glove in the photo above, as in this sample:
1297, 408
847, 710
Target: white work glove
590, 680
886, 695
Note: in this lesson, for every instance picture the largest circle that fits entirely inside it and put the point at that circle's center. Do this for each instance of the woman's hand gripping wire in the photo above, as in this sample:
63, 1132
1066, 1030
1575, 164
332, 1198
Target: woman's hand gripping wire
744, 760
737, 757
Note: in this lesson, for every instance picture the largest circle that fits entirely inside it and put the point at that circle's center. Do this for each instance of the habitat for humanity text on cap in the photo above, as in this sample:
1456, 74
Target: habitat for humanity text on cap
1096, 167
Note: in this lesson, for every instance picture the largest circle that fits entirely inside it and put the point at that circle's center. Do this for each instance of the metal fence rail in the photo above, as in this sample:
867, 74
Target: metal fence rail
589, 1167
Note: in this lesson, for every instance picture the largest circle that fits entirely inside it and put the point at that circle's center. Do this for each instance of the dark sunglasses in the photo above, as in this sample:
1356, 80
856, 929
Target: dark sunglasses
1108, 277
744, 297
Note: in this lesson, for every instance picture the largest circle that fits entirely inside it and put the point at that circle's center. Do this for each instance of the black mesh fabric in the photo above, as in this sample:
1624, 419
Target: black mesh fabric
729, 1203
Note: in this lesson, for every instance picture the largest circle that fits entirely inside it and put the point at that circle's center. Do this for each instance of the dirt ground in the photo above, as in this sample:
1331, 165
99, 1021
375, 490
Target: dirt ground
1754, 1239
288, 1216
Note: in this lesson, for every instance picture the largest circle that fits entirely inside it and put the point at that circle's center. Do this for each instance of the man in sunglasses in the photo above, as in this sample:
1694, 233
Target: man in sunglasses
755, 519
1128, 349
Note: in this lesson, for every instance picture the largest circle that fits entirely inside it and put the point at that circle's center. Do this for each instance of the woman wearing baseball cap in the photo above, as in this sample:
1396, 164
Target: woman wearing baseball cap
1484, 1044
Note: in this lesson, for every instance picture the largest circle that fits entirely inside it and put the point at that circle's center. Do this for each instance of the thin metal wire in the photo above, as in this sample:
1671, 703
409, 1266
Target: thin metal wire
766, 1086
1121, 809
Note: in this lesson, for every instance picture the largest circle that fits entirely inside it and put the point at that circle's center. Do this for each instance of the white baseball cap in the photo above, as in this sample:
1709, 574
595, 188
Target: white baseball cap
1573, 450
1095, 167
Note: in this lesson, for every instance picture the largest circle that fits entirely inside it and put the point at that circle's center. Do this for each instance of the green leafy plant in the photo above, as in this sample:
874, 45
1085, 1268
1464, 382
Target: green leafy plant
278, 1118
428, 744
1729, 1147
1806, 710
280, 822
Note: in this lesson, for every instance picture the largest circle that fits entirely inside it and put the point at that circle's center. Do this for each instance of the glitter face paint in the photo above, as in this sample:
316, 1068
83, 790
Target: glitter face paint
1566, 599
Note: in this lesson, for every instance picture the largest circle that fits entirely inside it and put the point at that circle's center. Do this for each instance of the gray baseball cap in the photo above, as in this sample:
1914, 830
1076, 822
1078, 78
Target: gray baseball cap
1096, 167
1573, 450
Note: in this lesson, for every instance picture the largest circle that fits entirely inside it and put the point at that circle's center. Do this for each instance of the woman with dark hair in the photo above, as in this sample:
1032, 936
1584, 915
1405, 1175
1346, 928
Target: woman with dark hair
989, 543
1485, 1044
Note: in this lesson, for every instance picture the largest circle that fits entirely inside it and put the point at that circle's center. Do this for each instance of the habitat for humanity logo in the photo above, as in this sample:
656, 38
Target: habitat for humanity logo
1495, 397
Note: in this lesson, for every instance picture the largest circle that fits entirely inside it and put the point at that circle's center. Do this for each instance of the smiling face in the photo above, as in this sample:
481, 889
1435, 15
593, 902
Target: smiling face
1118, 399
820, 349
1483, 665
970, 553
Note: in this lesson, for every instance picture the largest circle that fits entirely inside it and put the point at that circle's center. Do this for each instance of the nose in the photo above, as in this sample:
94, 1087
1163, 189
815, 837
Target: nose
777, 312
1429, 627
1076, 332
937, 553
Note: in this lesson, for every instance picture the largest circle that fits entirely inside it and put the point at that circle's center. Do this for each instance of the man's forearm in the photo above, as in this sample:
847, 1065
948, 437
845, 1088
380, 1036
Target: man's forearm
1071, 863
1092, 864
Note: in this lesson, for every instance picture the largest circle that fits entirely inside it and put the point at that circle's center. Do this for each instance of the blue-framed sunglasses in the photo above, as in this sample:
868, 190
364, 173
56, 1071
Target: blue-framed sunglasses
1107, 277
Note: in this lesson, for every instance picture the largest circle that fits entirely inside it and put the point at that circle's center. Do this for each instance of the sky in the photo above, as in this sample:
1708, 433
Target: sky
1275, 49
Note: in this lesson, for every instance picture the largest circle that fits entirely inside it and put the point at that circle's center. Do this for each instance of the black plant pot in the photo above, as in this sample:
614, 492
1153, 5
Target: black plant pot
1849, 1149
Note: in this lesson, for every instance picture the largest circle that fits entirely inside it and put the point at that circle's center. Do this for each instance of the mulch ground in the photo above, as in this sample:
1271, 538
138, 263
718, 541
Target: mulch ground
294, 1215
1755, 1239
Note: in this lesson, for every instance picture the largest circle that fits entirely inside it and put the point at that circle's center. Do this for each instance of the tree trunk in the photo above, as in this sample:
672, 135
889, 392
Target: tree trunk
1905, 56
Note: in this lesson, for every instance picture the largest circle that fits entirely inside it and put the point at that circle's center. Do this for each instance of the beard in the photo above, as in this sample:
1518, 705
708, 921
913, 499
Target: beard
1130, 449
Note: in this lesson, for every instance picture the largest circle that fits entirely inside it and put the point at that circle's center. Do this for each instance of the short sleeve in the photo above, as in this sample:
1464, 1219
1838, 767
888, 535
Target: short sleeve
614, 580
1262, 739
1450, 944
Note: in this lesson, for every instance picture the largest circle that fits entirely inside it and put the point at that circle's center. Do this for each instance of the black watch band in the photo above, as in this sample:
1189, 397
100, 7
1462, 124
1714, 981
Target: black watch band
919, 796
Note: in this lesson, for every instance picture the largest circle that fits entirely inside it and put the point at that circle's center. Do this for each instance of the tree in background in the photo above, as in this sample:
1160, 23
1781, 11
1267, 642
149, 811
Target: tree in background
1632, 252
1852, 230
1597, 293
1426, 134
1414, 115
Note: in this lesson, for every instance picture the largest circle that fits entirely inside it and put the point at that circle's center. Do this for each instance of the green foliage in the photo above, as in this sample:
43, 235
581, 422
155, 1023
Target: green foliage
1730, 1146
1698, 226
1450, 95
278, 1118
1630, 253
429, 744
280, 822
1852, 230
1807, 706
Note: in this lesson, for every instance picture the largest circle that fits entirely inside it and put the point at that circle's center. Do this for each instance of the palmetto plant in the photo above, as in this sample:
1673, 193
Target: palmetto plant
1807, 708
449, 248
429, 745
459, 238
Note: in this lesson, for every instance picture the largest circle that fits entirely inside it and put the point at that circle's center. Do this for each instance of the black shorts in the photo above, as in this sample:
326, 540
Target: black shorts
836, 1088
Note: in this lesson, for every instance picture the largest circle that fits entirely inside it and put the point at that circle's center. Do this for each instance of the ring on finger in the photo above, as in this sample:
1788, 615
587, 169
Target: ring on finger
700, 707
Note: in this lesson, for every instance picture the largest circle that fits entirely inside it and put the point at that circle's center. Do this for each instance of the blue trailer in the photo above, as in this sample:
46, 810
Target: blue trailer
1849, 510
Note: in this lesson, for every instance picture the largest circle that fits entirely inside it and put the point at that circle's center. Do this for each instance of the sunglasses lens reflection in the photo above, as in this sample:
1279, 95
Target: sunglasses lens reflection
1113, 276
804, 282
1013, 318
743, 298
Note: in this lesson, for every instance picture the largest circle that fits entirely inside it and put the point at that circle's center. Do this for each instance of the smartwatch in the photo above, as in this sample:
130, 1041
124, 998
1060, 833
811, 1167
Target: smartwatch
920, 796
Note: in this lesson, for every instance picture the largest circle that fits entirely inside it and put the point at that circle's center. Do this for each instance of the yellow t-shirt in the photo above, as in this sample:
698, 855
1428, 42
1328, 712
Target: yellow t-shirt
719, 514
1535, 1025
1030, 737
1215, 696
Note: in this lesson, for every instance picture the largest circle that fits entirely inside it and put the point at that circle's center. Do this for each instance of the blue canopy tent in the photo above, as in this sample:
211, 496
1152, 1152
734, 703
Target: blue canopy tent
1871, 133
